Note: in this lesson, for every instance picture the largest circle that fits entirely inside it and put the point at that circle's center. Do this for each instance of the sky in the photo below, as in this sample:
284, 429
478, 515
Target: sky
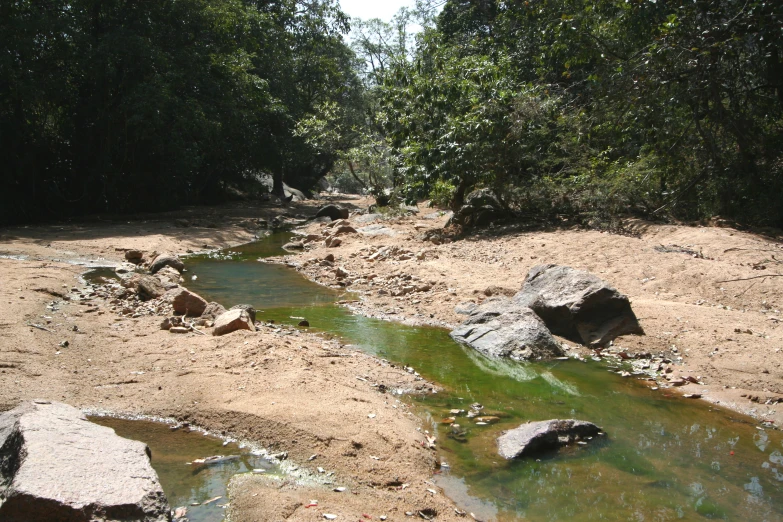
366, 9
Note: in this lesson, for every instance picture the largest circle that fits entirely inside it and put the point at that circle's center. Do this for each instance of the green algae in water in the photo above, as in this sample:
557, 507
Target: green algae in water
663, 458
185, 484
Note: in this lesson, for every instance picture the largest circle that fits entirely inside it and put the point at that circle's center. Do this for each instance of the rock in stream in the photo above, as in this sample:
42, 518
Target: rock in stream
501, 328
536, 437
56, 466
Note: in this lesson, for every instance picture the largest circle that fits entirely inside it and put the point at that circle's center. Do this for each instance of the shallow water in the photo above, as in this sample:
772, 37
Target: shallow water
183, 483
664, 457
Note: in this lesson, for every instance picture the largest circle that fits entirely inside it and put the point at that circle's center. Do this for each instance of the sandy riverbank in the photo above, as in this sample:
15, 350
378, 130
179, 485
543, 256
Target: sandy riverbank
289, 391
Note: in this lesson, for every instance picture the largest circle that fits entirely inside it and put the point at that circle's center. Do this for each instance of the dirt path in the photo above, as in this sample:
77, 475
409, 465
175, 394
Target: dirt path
293, 391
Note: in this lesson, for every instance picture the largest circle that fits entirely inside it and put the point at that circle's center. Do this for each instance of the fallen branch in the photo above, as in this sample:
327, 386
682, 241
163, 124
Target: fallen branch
750, 278
40, 327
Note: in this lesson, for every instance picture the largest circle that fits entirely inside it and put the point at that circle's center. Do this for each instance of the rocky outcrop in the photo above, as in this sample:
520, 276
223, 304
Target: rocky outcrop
334, 212
536, 437
149, 287
186, 302
232, 321
167, 260
577, 305
501, 328
56, 466
212, 311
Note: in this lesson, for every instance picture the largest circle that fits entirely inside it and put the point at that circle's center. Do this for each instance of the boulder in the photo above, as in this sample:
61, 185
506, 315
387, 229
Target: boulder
149, 287
480, 209
232, 321
167, 260
294, 245
212, 311
334, 212
186, 302
247, 308
57, 466
577, 305
536, 437
294, 194
134, 256
501, 328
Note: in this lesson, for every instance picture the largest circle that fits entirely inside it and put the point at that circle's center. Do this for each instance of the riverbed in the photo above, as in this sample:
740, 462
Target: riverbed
663, 458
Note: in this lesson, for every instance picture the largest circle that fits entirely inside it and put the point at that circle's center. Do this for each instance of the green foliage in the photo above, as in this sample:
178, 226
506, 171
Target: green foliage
128, 106
442, 193
596, 108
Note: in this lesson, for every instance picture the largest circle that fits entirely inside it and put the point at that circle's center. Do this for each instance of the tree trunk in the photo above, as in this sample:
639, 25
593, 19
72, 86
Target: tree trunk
277, 183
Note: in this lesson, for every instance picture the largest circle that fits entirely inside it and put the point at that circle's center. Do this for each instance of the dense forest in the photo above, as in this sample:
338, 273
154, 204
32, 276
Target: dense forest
586, 108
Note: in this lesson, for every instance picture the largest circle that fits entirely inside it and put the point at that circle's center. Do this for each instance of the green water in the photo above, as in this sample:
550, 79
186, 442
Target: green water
664, 458
183, 483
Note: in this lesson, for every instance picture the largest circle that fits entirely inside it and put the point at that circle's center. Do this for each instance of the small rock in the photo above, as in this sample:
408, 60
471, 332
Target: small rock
334, 212
247, 308
304, 323
167, 260
232, 321
186, 302
149, 287
134, 256
345, 229
179, 330
212, 311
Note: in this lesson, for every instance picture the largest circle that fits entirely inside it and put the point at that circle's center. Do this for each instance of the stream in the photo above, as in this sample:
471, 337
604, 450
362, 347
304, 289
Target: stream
664, 457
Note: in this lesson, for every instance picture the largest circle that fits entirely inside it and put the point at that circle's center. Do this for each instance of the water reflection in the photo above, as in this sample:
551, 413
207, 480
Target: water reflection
184, 483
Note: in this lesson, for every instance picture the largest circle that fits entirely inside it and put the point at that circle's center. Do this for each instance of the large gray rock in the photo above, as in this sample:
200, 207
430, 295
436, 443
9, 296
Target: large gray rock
149, 287
501, 328
55, 466
535, 437
333, 211
577, 305
232, 321
186, 302
167, 260
295, 194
